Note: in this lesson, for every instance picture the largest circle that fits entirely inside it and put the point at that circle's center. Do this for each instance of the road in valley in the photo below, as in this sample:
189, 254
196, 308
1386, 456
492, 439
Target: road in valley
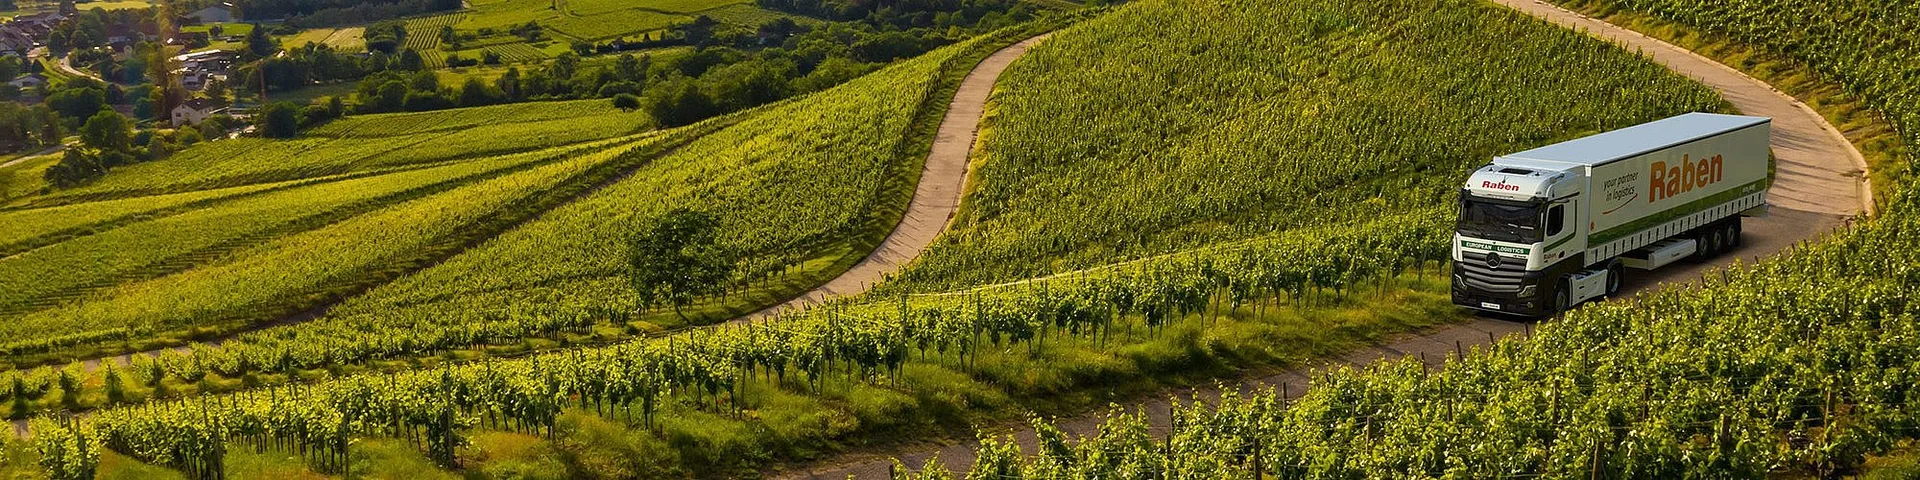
1820, 184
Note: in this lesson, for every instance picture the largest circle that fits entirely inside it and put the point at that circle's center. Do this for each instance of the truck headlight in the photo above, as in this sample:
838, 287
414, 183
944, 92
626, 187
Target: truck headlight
1527, 291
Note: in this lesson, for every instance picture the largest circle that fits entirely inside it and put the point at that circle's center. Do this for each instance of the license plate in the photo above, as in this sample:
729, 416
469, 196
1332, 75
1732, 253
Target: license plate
1490, 305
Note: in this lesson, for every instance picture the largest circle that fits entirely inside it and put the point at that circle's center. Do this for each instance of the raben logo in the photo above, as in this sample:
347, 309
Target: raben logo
1503, 185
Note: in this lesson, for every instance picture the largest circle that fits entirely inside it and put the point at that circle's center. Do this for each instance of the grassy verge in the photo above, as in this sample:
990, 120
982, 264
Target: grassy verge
1867, 128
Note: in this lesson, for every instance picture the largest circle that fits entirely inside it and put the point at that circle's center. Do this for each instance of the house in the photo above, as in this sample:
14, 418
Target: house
29, 80
195, 111
221, 13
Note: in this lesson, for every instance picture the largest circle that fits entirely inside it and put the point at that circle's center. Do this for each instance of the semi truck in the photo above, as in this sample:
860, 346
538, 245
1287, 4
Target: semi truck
1546, 229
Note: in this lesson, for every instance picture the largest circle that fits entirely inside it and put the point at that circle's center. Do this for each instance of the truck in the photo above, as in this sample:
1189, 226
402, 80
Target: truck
1544, 230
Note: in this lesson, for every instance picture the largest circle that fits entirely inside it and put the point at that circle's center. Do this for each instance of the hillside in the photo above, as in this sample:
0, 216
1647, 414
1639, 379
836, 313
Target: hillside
1109, 144
720, 401
364, 143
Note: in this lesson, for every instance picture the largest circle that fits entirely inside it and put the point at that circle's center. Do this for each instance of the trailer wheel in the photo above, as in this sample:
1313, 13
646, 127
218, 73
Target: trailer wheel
1733, 234
1708, 244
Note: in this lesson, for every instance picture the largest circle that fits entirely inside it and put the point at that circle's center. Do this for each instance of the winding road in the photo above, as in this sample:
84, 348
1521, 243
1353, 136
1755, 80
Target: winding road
942, 182
1820, 184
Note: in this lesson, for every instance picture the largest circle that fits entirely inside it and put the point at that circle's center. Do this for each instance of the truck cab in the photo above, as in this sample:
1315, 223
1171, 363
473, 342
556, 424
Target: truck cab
1516, 238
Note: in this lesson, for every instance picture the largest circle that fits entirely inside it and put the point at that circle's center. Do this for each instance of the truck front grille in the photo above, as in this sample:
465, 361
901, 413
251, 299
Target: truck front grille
1474, 270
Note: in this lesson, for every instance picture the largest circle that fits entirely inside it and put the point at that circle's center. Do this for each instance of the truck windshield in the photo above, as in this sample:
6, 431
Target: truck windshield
1499, 220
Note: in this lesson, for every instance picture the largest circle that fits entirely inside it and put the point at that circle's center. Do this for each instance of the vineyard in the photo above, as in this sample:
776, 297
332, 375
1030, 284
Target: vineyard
720, 401
1170, 192
64, 271
263, 282
366, 143
1110, 144
1801, 364
1864, 46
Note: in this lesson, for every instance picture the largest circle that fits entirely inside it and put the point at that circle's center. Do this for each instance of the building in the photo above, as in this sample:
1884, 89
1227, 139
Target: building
195, 111
197, 68
222, 13
29, 80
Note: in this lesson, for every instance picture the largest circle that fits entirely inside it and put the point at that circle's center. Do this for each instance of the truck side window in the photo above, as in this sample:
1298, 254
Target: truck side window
1556, 220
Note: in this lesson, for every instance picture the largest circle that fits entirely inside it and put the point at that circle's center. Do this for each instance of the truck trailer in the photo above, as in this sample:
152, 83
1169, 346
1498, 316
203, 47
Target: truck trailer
1546, 229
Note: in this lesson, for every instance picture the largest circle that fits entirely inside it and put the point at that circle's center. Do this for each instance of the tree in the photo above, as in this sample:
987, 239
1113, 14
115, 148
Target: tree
280, 120
675, 258
677, 102
259, 44
474, 93
626, 101
411, 60
107, 131
509, 84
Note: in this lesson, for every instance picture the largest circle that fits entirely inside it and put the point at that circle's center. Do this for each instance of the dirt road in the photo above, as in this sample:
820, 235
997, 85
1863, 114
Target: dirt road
1820, 183
938, 195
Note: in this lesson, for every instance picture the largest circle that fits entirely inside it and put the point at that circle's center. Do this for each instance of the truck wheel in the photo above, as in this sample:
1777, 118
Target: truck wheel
1613, 278
1733, 234
1562, 299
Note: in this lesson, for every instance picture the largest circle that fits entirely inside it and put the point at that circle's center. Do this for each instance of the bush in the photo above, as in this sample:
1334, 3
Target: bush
626, 101
280, 120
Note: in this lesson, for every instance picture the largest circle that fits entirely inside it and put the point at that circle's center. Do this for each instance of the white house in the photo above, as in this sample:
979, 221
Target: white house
221, 13
195, 111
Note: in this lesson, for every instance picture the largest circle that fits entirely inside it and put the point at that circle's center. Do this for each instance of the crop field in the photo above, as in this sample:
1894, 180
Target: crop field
423, 34
30, 228
348, 39
612, 24
367, 142
280, 276
598, 7
1854, 44
511, 52
65, 271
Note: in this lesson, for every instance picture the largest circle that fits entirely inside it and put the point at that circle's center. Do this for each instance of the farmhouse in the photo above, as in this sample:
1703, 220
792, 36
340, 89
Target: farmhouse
195, 111
29, 80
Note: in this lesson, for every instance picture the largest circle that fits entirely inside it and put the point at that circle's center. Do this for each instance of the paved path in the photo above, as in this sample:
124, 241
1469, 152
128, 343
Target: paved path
942, 181
1820, 183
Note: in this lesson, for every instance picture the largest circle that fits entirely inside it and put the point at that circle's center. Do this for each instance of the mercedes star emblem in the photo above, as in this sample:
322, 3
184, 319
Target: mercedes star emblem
1493, 260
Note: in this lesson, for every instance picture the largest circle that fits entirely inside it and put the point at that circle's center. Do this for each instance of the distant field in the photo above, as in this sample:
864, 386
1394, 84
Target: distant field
35, 7
597, 7
614, 24
367, 142
349, 39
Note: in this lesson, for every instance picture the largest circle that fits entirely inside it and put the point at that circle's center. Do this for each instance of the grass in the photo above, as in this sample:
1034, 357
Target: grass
26, 178
350, 39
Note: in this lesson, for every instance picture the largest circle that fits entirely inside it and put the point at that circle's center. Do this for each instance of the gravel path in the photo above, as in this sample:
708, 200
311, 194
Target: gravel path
1820, 183
937, 197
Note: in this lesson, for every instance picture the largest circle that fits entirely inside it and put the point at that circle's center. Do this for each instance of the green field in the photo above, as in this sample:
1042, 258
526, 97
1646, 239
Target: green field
350, 39
66, 271
366, 142
26, 178
293, 270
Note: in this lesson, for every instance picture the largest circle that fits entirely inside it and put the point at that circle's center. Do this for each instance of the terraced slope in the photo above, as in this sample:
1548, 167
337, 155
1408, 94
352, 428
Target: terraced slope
363, 143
